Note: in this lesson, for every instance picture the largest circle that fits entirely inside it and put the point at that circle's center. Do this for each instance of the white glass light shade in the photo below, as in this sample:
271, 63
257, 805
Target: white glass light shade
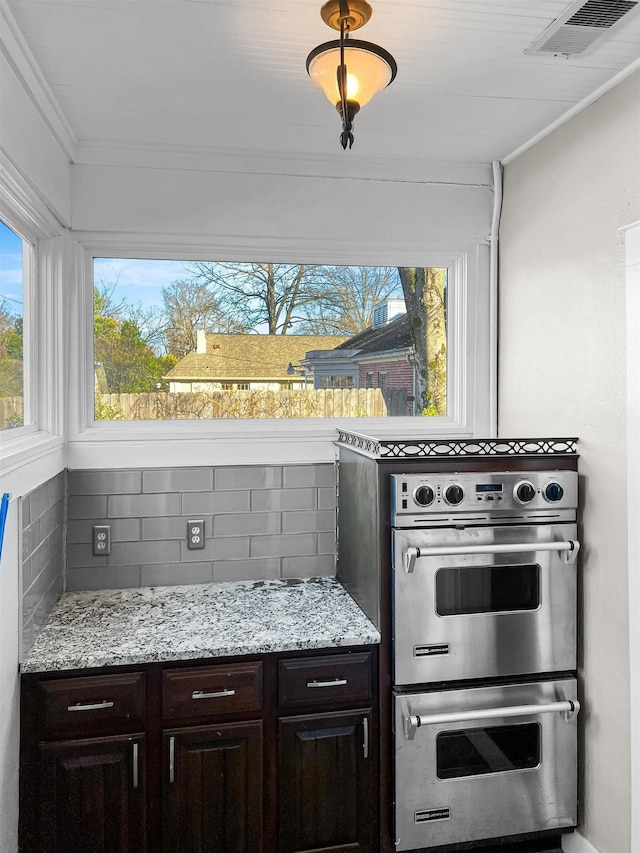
369, 69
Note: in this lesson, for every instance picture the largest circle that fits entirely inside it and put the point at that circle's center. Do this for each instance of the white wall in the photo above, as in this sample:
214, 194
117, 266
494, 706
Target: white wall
562, 372
632, 257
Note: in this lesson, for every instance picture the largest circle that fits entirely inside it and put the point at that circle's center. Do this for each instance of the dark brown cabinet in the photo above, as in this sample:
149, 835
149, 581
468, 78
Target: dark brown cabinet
326, 783
212, 793
270, 754
94, 796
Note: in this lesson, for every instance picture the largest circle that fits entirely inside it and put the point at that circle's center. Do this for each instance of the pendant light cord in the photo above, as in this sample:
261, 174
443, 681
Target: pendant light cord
346, 137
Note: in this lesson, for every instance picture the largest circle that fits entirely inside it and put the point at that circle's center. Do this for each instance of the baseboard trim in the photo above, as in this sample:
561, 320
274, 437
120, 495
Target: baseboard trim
575, 843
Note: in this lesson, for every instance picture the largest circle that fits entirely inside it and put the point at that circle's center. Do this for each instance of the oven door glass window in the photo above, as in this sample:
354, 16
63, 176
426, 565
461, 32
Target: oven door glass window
495, 749
487, 589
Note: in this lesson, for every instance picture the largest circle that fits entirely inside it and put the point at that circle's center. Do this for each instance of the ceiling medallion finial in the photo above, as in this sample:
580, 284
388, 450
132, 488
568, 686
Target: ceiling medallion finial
349, 71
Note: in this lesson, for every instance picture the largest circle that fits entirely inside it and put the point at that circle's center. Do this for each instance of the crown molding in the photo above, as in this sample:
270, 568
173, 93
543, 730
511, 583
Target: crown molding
18, 54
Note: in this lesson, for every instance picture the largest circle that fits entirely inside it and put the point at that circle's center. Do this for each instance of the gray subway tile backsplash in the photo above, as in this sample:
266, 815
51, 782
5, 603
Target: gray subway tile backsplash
128, 506
296, 476
284, 499
43, 556
216, 502
286, 545
308, 522
176, 574
260, 522
86, 506
249, 477
105, 482
249, 524
177, 480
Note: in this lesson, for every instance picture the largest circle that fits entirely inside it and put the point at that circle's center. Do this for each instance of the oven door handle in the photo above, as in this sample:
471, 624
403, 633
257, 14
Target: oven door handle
569, 550
568, 708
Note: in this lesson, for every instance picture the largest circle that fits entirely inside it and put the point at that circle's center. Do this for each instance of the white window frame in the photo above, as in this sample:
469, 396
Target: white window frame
94, 444
43, 321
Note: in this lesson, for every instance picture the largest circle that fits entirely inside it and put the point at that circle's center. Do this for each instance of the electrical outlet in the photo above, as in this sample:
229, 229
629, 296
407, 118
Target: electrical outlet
101, 540
195, 535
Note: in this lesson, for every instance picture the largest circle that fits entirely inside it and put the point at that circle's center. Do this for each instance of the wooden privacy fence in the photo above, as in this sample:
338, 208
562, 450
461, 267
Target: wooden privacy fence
11, 411
307, 403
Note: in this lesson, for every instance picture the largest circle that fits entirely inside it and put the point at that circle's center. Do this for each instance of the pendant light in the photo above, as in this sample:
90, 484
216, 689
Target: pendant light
349, 71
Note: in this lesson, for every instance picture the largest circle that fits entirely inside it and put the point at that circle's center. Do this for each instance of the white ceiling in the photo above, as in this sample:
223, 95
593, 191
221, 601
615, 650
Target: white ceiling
226, 78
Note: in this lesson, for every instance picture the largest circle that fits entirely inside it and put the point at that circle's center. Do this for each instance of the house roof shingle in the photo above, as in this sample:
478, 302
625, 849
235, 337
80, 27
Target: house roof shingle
392, 336
249, 357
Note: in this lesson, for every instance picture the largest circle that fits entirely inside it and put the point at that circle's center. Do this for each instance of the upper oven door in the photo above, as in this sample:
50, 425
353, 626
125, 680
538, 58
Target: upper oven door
483, 601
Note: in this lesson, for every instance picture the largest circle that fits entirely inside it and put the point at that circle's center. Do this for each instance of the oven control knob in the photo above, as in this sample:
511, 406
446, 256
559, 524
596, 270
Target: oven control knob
453, 495
553, 492
525, 492
423, 495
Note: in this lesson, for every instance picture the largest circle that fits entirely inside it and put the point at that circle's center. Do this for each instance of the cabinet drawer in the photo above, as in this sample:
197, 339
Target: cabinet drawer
73, 704
328, 679
210, 690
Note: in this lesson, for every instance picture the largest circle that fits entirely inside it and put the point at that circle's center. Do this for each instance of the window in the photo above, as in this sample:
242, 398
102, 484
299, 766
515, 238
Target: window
369, 381
202, 340
13, 367
336, 381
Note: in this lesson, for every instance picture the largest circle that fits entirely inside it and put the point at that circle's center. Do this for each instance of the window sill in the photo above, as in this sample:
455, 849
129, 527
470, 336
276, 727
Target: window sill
181, 443
31, 445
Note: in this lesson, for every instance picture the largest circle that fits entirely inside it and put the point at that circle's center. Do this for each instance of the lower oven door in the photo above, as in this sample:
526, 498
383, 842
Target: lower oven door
483, 602
484, 762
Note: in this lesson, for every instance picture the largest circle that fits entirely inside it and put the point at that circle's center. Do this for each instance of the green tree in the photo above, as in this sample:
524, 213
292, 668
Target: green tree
11, 352
130, 363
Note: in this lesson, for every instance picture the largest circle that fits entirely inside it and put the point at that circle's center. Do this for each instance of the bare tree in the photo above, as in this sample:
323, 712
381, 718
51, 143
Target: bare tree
255, 296
346, 298
425, 298
190, 306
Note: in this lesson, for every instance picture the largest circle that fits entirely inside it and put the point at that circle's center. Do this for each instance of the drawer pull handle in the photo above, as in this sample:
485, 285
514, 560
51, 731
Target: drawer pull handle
135, 765
337, 682
365, 737
198, 694
97, 706
172, 760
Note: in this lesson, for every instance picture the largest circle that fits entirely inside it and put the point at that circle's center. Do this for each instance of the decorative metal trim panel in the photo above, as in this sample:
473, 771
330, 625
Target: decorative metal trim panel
443, 449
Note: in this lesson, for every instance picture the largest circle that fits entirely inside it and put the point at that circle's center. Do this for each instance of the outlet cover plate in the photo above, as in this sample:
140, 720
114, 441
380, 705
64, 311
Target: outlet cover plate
101, 540
195, 535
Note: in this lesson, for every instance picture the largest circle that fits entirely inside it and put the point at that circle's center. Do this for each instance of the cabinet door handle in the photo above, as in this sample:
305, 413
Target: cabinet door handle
337, 682
198, 694
135, 764
365, 737
96, 706
172, 759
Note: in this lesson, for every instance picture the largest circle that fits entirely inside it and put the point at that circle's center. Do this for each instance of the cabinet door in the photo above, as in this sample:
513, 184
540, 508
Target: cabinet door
92, 796
326, 783
213, 789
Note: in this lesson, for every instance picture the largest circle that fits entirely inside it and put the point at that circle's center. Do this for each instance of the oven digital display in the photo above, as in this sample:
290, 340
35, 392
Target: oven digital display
489, 487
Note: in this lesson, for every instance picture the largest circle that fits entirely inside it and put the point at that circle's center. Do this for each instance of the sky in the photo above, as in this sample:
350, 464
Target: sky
10, 269
140, 280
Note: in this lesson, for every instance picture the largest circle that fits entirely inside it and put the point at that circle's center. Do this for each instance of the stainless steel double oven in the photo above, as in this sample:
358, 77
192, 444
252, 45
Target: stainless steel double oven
483, 655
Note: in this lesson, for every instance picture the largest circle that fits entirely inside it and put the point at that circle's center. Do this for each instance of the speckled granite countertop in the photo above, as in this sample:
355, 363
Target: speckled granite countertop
131, 626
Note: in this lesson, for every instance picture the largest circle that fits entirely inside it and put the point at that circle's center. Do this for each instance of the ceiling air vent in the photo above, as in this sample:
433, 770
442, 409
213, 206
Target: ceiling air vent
579, 29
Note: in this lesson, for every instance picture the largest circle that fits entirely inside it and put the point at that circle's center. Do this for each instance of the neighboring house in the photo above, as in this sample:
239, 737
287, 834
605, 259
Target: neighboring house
378, 357
247, 362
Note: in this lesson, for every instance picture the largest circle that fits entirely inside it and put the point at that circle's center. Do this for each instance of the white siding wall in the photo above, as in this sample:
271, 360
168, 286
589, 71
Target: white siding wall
562, 372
